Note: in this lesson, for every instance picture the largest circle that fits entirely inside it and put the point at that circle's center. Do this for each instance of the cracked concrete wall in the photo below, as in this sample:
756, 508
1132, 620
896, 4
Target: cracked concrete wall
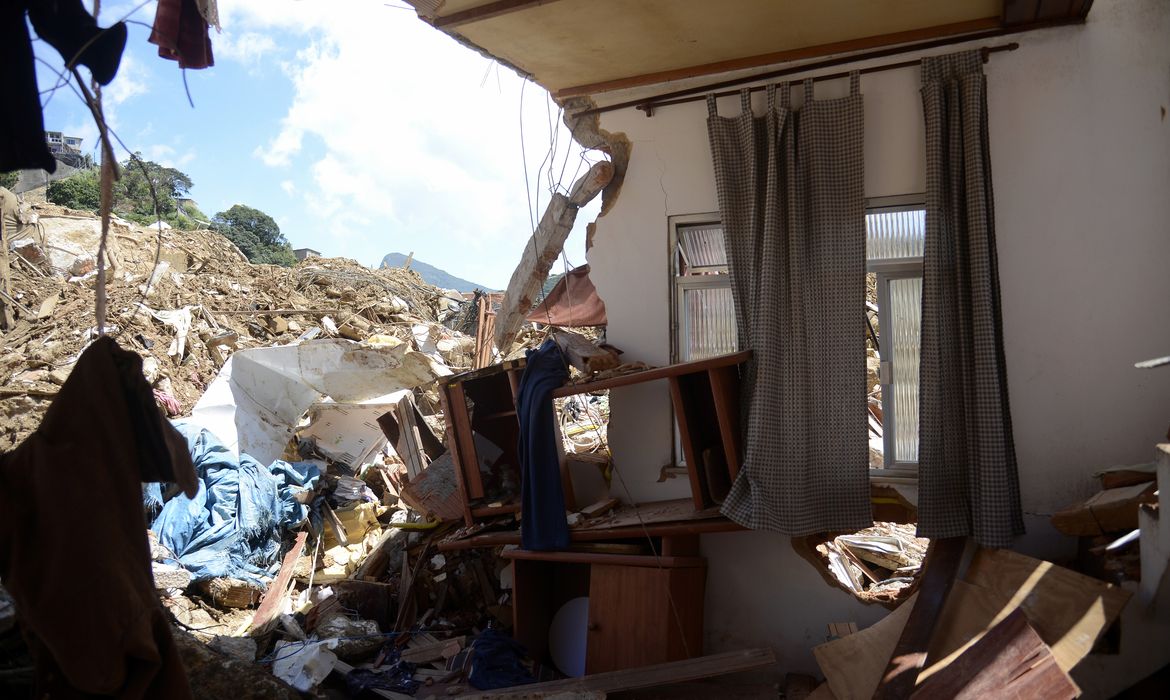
1081, 171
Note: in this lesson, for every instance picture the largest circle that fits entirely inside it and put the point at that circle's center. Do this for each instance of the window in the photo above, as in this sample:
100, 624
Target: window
894, 234
703, 320
703, 317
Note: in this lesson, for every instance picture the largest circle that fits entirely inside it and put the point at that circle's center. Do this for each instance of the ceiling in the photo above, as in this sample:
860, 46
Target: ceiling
579, 47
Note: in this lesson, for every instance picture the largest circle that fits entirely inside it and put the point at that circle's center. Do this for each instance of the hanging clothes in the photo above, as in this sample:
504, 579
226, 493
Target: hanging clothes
181, 33
73, 32
542, 500
73, 548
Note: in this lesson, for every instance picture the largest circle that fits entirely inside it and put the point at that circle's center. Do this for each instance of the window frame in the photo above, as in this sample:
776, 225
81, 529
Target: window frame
891, 472
896, 473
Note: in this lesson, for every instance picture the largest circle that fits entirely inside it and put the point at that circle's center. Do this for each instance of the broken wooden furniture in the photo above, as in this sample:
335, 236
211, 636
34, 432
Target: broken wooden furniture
480, 410
483, 403
643, 609
705, 398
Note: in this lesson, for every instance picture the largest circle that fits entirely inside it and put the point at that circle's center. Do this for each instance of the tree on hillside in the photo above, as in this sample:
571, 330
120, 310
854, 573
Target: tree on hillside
255, 233
82, 190
132, 192
8, 180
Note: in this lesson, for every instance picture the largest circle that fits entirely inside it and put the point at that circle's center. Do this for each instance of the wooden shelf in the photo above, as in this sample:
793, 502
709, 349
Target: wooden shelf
488, 511
696, 527
599, 558
653, 374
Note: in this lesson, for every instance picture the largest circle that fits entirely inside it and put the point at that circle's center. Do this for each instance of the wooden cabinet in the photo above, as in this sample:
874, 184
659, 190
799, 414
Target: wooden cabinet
632, 619
642, 609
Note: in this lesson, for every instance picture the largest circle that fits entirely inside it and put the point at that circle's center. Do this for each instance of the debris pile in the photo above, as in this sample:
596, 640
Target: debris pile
876, 563
186, 314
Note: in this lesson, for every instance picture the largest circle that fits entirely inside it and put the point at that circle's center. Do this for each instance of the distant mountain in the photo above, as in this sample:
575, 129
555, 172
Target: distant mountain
432, 274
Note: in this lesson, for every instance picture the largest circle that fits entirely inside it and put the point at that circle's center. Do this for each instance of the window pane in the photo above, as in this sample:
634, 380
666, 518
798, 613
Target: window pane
708, 323
703, 246
894, 234
903, 337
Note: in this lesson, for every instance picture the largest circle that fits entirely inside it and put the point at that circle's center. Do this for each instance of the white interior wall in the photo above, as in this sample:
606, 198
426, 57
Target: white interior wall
1081, 169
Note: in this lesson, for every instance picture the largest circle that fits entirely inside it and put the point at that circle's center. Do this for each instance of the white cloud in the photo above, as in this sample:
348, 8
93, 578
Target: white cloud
407, 145
130, 82
167, 156
246, 48
289, 187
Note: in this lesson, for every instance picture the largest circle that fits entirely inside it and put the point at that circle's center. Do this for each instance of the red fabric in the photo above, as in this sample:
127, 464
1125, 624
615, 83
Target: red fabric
73, 548
181, 34
573, 302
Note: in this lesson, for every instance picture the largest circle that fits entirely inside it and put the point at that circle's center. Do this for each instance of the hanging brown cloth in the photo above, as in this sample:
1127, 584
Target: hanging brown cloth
572, 303
181, 34
73, 547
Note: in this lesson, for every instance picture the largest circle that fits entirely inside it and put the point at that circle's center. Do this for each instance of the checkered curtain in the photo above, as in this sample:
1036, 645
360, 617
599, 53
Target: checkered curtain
790, 187
966, 459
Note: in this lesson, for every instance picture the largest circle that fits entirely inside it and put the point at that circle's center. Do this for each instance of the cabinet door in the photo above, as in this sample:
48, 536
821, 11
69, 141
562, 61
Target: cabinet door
631, 620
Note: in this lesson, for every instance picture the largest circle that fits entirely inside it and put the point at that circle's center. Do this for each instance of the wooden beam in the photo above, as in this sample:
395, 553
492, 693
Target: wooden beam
269, 608
644, 677
542, 250
957, 29
1017, 12
485, 12
939, 571
1010, 661
581, 353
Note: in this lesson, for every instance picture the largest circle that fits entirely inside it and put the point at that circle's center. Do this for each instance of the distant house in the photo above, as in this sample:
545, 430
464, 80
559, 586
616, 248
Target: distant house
303, 253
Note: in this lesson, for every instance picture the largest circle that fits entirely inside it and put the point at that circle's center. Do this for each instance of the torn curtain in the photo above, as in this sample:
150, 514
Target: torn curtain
967, 477
790, 186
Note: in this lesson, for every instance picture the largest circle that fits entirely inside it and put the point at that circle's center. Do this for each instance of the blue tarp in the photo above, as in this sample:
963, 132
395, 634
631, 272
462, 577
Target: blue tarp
233, 525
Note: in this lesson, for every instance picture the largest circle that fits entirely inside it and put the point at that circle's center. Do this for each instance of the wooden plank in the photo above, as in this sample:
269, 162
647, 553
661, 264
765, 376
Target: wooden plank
854, 664
1010, 661
1111, 510
1017, 12
631, 560
581, 353
939, 570
669, 529
485, 12
269, 608
1068, 610
600, 508
9, 317
1055, 9
335, 525
467, 460
650, 375
542, 250
725, 391
456, 456
410, 444
700, 494
954, 30
645, 677
47, 306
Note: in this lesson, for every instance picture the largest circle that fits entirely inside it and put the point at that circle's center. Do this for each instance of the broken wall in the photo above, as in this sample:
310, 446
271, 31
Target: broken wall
1080, 140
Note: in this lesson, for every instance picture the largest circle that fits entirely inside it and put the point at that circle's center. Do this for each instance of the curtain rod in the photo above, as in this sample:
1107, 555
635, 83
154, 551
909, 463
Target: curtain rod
648, 105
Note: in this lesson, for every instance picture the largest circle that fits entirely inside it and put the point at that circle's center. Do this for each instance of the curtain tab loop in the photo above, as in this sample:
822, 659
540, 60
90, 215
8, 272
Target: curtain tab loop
808, 92
745, 101
785, 95
712, 108
854, 83
771, 92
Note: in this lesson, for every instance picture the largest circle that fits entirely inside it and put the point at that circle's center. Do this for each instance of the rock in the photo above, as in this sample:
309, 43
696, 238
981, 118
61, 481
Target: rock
242, 648
59, 375
167, 576
215, 676
356, 637
278, 325
294, 327
150, 369
83, 265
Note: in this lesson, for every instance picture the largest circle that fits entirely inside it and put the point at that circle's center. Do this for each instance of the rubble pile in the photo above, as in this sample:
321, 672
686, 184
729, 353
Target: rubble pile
879, 563
186, 314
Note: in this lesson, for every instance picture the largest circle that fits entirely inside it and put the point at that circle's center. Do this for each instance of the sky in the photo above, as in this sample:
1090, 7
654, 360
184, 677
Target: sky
358, 127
